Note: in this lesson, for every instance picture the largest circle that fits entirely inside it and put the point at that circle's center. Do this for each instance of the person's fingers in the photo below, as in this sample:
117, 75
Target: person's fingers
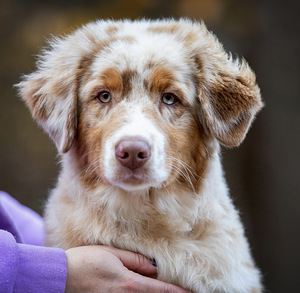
134, 261
152, 285
138, 263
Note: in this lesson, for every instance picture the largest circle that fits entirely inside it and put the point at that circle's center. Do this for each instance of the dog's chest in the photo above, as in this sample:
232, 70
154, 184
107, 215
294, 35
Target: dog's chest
127, 229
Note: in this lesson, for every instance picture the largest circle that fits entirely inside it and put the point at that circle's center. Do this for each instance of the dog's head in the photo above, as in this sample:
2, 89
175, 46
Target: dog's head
140, 103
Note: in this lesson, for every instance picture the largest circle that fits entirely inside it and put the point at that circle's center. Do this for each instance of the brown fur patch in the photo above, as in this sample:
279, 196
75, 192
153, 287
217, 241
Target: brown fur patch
112, 29
170, 29
191, 38
199, 65
186, 151
111, 79
161, 79
228, 106
86, 150
119, 83
39, 107
230, 97
128, 76
94, 126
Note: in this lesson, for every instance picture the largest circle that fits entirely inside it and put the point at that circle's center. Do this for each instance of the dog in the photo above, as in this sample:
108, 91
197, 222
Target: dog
138, 111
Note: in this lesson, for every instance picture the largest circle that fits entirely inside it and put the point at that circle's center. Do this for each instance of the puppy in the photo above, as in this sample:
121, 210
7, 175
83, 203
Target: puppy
138, 111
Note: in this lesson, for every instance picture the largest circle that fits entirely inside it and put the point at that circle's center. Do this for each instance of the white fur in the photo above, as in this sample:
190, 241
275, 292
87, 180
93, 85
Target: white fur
137, 126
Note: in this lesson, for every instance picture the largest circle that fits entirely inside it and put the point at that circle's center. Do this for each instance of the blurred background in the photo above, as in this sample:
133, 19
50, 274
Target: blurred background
263, 174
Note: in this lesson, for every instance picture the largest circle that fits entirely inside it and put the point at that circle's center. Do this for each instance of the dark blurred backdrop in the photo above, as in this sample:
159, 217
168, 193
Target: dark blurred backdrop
263, 174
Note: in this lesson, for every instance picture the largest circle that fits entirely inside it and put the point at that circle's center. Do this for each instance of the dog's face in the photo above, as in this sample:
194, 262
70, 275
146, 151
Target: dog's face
139, 103
137, 118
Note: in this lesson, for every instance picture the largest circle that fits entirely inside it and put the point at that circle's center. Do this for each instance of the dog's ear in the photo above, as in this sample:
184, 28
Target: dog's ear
51, 94
228, 93
229, 104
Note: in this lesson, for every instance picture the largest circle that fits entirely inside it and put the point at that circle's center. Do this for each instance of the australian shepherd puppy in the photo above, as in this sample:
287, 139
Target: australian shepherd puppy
138, 111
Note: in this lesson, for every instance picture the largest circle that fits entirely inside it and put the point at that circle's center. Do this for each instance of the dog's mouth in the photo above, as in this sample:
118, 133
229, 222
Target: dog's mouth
132, 179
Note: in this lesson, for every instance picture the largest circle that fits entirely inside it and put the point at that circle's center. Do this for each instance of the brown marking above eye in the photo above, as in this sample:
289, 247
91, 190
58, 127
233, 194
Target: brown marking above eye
117, 82
161, 79
111, 79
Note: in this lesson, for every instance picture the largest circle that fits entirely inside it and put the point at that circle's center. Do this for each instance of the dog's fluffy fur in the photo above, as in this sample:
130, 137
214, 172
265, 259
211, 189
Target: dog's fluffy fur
175, 208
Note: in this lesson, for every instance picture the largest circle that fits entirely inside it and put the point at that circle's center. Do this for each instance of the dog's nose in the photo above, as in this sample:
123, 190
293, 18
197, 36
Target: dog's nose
133, 154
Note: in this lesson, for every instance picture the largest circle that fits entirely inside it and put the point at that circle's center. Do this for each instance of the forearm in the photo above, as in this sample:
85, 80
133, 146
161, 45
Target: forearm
29, 268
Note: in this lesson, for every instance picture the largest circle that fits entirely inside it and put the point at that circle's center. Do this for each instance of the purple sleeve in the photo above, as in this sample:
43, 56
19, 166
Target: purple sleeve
25, 224
29, 268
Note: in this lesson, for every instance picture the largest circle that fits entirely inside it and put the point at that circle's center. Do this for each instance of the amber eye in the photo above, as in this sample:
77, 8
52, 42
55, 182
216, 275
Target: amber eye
104, 97
169, 99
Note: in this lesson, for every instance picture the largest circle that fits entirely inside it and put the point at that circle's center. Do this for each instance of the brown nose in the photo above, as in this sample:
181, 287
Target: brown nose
133, 154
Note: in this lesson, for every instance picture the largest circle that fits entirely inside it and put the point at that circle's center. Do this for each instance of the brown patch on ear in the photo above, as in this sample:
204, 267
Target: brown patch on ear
229, 106
231, 97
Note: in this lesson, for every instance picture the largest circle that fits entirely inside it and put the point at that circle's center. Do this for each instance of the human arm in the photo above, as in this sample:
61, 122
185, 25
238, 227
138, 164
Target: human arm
30, 268
24, 224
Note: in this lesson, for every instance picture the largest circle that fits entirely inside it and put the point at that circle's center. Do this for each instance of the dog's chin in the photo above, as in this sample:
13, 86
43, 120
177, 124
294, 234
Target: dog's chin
133, 182
132, 187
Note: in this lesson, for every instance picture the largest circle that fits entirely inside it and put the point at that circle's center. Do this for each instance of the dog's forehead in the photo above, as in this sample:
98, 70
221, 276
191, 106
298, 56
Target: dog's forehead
136, 47
142, 54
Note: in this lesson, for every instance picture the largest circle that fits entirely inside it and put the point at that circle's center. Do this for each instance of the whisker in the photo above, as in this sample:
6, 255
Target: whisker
187, 167
185, 173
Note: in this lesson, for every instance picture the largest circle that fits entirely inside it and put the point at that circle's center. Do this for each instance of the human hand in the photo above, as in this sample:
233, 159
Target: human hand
107, 269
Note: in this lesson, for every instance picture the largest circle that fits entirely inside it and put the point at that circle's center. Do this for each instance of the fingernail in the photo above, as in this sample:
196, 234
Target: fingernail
153, 262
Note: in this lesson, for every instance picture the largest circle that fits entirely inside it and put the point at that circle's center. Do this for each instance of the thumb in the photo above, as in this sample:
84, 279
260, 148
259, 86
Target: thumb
136, 262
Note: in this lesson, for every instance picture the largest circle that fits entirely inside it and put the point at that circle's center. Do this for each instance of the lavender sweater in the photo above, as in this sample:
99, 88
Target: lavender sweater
25, 265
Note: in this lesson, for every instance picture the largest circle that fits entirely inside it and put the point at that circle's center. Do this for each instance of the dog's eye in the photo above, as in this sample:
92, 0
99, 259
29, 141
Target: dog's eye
169, 99
104, 97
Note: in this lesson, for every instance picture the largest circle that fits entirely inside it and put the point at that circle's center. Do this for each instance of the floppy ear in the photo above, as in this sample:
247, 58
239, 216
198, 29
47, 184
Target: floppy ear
51, 94
229, 103
228, 93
